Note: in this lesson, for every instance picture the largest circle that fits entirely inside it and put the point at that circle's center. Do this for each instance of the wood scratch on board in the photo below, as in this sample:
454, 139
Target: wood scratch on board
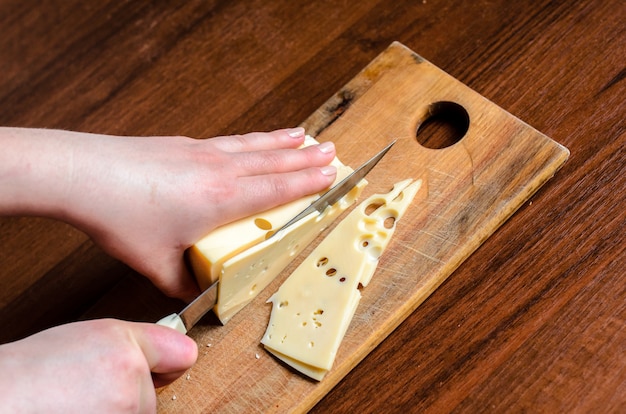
399, 271
362, 129
436, 236
441, 172
363, 318
238, 404
413, 249
469, 154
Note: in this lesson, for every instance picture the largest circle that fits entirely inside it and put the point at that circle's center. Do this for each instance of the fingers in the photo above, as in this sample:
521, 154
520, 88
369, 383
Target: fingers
264, 192
168, 352
260, 141
273, 152
284, 160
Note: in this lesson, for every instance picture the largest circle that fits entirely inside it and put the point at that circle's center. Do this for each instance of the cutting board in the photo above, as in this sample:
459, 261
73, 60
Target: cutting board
469, 189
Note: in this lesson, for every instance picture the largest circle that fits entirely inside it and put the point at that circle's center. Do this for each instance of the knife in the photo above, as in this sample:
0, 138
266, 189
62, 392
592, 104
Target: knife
341, 189
193, 312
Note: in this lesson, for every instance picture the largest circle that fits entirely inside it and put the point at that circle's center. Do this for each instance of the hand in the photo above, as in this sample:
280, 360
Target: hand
95, 366
146, 200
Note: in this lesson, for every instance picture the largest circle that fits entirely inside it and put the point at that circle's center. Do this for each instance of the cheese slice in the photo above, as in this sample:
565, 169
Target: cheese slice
245, 258
313, 308
246, 274
208, 255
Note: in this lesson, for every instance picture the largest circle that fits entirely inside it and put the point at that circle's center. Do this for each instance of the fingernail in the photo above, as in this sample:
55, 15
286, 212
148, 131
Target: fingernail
296, 132
326, 147
329, 170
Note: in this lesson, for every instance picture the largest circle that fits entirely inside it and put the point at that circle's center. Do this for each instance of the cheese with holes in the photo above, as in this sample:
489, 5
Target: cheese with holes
313, 308
245, 259
208, 254
244, 275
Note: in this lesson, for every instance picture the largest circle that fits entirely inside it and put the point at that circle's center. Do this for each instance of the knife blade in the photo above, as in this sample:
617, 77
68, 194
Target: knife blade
339, 190
193, 312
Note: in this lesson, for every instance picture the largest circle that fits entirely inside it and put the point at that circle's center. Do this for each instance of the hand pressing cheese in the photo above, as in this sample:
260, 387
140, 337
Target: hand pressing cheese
312, 310
244, 258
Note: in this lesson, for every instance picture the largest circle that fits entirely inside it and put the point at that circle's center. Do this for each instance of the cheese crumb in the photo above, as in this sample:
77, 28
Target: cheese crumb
174, 397
257, 356
188, 377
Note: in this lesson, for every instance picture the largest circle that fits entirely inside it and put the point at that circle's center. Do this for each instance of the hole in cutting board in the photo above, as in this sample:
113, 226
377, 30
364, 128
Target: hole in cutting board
445, 124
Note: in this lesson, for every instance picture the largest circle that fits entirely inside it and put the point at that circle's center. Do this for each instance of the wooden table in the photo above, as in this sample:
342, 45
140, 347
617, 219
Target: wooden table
532, 321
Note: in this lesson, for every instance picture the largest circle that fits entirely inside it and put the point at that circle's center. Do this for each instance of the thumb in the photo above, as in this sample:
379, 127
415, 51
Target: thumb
168, 352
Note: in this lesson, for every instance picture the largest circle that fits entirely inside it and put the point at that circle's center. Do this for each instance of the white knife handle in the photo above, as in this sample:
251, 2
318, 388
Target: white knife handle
173, 321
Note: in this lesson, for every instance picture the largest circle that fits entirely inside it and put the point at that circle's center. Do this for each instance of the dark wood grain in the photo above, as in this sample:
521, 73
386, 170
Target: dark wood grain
532, 321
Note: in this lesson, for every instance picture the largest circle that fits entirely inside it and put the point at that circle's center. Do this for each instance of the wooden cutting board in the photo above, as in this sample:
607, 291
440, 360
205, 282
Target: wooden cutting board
470, 189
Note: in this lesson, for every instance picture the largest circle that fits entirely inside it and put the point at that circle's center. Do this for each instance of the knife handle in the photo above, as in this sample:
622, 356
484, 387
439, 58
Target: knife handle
173, 321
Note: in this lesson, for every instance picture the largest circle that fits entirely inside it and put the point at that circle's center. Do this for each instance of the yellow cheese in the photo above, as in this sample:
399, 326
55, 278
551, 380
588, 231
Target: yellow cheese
244, 275
244, 257
208, 255
313, 308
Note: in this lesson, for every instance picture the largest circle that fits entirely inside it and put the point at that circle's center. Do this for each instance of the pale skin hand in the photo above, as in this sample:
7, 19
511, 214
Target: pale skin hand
144, 201
92, 367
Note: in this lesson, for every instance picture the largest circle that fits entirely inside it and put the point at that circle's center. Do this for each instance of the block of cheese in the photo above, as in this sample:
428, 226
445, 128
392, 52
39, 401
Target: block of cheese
208, 255
245, 258
244, 275
313, 308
